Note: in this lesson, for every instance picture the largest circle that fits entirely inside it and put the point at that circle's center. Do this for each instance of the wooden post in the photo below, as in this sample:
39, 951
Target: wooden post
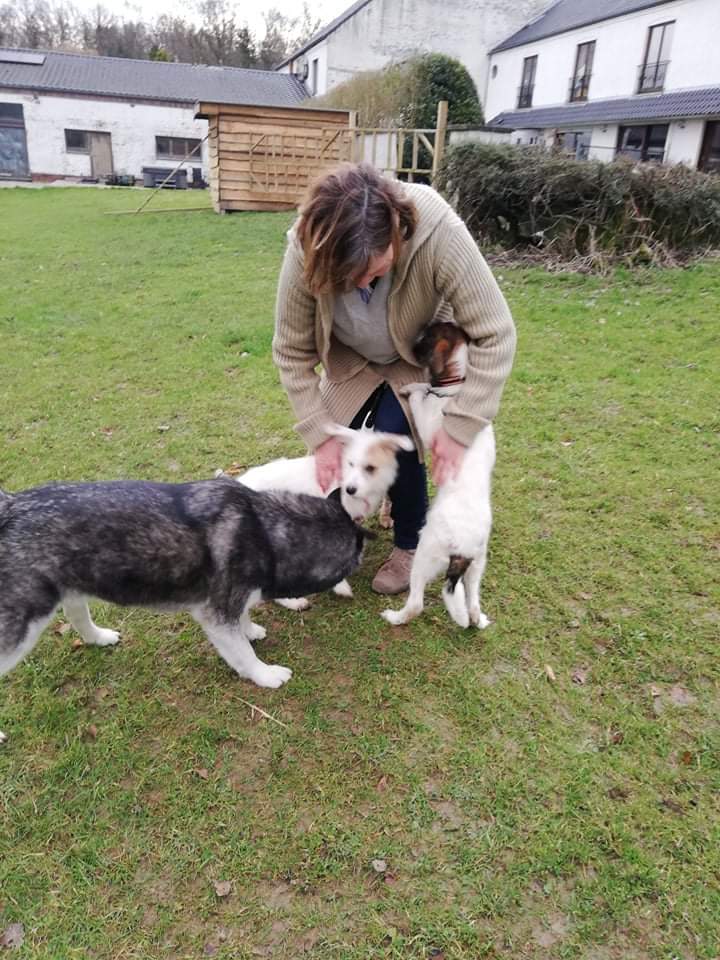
440, 134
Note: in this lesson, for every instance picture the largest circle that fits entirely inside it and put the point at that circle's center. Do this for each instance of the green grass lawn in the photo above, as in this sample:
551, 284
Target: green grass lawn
147, 812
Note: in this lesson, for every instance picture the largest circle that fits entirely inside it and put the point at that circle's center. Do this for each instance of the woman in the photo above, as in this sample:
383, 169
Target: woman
369, 263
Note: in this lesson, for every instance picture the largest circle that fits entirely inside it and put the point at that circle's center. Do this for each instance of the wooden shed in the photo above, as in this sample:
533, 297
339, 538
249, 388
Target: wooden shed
262, 158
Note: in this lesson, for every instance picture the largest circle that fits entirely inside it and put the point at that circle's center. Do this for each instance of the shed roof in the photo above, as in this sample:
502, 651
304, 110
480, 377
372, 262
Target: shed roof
680, 104
571, 14
145, 79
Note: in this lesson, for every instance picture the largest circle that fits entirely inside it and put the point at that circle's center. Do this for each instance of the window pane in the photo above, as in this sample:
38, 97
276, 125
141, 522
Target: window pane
11, 111
162, 146
666, 42
76, 140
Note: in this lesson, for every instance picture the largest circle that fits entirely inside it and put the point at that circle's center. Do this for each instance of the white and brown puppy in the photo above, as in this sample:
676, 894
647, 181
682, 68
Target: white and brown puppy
368, 470
455, 537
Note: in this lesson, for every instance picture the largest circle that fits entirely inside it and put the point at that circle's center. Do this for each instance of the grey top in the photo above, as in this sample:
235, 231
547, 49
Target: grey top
571, 14
704, 102
146, 79
364, 326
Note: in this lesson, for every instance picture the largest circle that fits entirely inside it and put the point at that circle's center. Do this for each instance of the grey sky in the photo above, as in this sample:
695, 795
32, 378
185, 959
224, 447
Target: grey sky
250, 11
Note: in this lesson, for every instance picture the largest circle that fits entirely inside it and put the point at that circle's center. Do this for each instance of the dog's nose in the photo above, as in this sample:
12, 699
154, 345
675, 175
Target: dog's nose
350, 491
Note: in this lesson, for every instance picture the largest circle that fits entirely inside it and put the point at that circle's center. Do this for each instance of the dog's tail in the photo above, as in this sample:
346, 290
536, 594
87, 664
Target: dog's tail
456, 568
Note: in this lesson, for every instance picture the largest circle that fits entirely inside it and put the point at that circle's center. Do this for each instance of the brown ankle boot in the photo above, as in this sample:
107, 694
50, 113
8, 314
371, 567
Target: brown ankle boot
394, 575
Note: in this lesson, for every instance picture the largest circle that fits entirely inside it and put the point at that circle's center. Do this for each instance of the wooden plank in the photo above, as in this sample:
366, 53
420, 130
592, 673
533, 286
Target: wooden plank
270, 206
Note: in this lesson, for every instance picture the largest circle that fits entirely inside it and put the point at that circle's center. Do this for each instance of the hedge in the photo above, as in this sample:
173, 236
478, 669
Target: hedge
527, 196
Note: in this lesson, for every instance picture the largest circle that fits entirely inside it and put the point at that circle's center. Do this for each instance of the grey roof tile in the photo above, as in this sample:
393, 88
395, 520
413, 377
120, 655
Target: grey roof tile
701, 102
149, 79
570, 14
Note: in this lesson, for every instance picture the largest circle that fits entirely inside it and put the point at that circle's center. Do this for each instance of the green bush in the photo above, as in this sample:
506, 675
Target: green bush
526, 195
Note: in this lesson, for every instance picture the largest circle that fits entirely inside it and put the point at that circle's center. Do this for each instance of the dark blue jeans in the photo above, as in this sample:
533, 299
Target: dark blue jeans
408, 495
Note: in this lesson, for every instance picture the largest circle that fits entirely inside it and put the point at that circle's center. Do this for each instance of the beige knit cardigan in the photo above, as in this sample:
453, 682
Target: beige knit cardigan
440, 274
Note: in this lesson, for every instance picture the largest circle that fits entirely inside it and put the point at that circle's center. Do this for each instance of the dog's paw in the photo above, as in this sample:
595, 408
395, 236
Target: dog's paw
478, 618
271, 675
294, 603
104, 638
413, 388
343, 589
393, 617
256, 632
3, 738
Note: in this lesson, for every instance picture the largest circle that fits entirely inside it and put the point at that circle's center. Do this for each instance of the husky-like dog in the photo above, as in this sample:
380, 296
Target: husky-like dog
214, 547
368, 470
455, 536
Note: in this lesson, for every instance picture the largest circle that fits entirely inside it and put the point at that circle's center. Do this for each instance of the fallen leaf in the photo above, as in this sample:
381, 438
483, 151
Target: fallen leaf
13, 936
222, 887
92, 731
550, 673
163, 427
686, 757
381, 784
617, 736
210, 950
379, 866
202, 773
617, 793
655, 691
580, 676
62, 628
672, 805
77, 643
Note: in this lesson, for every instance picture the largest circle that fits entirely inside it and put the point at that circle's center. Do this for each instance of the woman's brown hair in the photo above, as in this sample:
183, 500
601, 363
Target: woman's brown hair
349, 215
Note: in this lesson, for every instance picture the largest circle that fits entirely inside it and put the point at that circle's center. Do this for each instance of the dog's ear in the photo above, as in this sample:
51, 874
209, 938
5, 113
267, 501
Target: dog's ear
342, 433
395, 442
334, 495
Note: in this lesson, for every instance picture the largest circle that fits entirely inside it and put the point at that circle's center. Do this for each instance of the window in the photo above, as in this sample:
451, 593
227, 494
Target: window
643, 143
656, 62
11, 114
315, 76
77, 141
177, 148
527, 85
580, 81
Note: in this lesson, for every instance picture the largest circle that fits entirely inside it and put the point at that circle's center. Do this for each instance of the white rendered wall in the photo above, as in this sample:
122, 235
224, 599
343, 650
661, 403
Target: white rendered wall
386, 31
619, 51
132, 126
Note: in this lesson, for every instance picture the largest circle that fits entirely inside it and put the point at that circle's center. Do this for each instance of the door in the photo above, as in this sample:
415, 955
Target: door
13, 144
101, 164
710, 153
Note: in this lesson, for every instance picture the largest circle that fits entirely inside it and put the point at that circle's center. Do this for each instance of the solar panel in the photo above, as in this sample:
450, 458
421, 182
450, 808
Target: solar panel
21, 56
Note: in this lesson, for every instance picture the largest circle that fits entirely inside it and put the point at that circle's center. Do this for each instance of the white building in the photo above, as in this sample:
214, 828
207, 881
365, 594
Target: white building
373, 33
605, 77
76, 116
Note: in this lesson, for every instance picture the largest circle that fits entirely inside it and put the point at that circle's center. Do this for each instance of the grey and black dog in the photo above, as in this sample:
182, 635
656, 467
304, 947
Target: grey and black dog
213, 547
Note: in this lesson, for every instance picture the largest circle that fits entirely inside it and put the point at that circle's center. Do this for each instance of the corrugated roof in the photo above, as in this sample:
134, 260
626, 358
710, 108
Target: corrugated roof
325, 31
149, 79
701, 102
570, 14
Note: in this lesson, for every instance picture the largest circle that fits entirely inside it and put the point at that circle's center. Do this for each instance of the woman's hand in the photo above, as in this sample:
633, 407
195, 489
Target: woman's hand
447, 457
328, 462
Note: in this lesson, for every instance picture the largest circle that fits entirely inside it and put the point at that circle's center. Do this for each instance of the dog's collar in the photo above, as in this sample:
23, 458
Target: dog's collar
447, 382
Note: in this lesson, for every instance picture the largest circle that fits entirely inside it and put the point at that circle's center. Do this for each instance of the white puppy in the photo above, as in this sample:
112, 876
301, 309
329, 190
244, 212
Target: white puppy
369, 467
455, 537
